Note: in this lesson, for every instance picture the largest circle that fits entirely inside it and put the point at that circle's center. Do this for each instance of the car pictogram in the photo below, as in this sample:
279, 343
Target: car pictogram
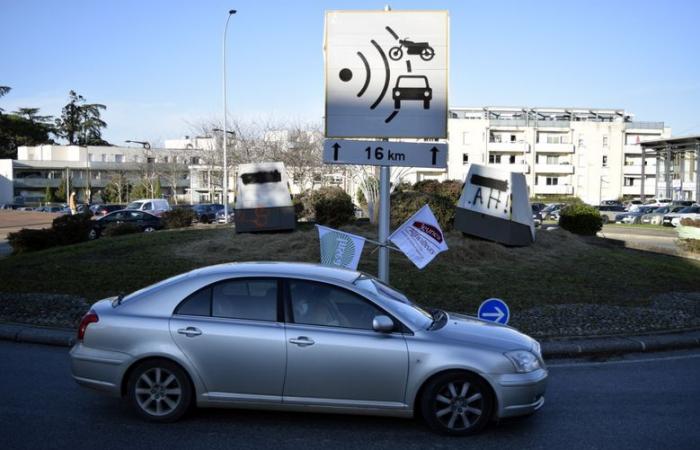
412, 87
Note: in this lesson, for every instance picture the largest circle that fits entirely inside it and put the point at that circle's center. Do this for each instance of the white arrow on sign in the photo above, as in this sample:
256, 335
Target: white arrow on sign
385, 153
499, 314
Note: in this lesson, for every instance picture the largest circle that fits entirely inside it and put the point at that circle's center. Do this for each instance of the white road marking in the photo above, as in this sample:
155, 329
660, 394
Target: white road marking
624, 361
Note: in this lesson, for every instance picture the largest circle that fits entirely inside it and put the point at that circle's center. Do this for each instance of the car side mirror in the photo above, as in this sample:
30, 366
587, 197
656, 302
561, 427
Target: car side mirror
383, 324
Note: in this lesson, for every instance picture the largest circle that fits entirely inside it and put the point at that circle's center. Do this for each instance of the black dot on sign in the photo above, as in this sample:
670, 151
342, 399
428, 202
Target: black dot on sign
346, 74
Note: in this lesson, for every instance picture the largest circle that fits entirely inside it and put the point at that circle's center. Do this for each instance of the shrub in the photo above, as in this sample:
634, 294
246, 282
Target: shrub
26, 240
690, 222
580, 218
178, 218
71, 229
120, 229
332, 207
405, 204
299, 209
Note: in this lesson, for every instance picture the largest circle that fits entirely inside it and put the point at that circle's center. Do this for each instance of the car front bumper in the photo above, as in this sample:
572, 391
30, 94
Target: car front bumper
520, 394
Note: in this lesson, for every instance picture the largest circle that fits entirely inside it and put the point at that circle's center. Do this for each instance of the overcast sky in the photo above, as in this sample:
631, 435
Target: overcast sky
157, 64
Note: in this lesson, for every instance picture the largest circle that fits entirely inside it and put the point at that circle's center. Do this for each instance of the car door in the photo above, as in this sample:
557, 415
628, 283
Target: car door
232, 333
334, 357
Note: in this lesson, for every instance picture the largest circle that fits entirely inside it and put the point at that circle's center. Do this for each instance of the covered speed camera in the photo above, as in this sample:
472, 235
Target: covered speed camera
494, 205
263, 199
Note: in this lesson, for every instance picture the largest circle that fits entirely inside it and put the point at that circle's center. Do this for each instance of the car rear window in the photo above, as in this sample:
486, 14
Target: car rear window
197, 304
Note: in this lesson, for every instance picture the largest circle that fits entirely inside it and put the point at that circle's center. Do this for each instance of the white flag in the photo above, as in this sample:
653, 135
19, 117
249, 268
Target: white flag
340, 249
420, 237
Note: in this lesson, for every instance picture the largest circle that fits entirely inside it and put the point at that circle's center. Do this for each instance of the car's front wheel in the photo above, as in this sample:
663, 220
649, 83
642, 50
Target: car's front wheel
457, 404
159, 391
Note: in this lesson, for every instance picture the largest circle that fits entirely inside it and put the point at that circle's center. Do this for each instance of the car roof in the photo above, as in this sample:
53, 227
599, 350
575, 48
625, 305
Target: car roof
280, 269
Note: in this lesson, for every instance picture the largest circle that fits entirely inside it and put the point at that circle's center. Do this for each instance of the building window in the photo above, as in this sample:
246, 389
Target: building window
104, 157
495, 159
511, 159
465, 158
552, 181
605, 141
90, 157
119, 158
605, 161
629, 181
552, 159
512, 138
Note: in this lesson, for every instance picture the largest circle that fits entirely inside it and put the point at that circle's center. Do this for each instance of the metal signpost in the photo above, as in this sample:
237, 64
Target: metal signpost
386, 77
494, 310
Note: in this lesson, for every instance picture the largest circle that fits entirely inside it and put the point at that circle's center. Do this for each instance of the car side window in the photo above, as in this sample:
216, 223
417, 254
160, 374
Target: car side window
197, 304
252, 299
135, 215
148, 206
326, 305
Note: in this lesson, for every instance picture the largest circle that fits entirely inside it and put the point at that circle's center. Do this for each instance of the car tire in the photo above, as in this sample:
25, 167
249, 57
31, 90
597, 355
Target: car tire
159, 391
606, 219
92, 235
149, 230
457, 404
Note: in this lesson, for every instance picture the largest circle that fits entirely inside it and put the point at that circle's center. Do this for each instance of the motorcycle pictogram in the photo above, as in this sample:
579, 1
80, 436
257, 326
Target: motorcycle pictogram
423, 49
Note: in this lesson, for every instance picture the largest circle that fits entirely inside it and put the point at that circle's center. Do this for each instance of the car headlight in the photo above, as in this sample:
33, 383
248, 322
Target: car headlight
523, 361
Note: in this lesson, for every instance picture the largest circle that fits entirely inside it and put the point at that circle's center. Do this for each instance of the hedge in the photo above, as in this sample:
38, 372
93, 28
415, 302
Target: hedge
580, 218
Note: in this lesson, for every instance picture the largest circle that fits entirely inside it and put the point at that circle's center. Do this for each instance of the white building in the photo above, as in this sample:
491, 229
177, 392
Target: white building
593, 154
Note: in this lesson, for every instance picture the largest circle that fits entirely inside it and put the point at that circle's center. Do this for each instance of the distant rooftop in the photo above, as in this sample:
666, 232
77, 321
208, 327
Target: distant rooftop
541, 113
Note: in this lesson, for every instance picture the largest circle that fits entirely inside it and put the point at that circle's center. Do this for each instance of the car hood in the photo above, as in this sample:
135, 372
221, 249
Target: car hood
471, 330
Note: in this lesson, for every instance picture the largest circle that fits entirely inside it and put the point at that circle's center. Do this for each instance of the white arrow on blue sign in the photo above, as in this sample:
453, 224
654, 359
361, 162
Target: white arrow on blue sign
494, 310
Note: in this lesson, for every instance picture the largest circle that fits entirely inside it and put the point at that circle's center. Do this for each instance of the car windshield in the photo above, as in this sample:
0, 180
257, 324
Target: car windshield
417, 316
411, 82
134, 205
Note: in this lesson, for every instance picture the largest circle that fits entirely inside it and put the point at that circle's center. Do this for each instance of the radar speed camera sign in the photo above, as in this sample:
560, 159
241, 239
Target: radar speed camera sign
386, 74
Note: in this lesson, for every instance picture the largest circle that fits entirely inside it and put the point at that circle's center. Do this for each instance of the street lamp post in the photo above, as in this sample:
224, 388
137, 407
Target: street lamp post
225, 186
224, 194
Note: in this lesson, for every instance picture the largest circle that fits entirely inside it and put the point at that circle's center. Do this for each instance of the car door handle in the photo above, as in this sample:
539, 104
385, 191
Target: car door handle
190, 331
302, 341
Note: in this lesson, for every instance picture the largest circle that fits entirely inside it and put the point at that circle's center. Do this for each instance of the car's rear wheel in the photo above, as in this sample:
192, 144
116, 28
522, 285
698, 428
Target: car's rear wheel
149, 230
606, 219
457, 404
92, 234
160, 391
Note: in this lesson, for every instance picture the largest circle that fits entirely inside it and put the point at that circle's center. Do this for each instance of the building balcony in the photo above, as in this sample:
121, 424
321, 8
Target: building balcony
636, 169
633, 149
559, 189
517, 168
554, 168
644, 126
554, 148
37, 182
637, 190
508, 147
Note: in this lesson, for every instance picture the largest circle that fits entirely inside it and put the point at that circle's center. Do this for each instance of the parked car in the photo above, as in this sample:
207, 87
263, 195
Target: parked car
551, 211
146, 221
669, 218
636, 216
691, 212
220, 215
611, 203
304, 337
103, 210
656, 217
204, 213
683, 203
156, 206
50, 208
610, 213
536, 215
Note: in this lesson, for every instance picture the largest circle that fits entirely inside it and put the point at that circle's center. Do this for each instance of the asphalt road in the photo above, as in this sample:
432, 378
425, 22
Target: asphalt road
638, 402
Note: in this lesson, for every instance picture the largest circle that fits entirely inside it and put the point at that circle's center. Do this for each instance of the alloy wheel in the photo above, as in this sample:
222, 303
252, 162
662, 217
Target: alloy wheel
459, 405
158, 391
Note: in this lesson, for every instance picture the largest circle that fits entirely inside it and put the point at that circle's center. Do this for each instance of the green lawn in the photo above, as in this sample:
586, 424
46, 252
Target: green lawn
558, 268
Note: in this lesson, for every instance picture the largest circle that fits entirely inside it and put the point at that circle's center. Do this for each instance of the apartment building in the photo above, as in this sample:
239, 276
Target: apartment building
594, 154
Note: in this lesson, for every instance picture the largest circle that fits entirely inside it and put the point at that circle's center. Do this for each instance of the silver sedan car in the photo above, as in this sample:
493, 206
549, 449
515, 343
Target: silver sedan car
305, 337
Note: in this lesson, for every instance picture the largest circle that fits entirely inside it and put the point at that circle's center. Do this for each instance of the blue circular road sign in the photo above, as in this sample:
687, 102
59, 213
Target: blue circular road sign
494, 310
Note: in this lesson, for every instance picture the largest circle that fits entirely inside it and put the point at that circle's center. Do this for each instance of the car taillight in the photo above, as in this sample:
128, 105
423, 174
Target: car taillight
90, 317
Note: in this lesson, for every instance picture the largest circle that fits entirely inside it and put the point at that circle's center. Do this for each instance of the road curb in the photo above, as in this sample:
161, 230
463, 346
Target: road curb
551, 348
37, 335
566, 348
